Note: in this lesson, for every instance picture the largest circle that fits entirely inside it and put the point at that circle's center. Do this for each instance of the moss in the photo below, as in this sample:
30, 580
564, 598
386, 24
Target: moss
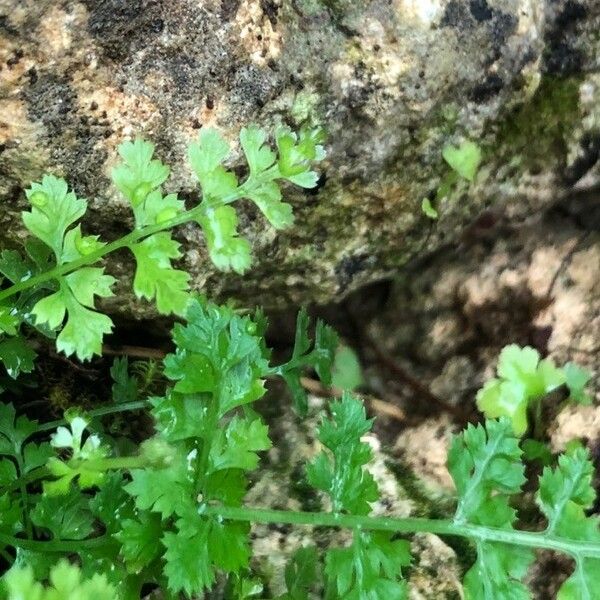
304, 110
540, 128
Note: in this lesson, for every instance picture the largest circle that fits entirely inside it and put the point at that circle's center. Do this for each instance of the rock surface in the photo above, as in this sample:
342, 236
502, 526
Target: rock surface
391, 81
536, 283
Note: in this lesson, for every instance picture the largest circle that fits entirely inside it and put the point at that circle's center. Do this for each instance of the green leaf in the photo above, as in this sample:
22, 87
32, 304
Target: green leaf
498, 573
370, 568
231, 346
576, 379
156, 278
11, 515
166, 491
157, 209
40, 562
125, 387
523, 379
77, 245
66, 583
320, 358
227, 250
241, 587
65, 517
301, 573
88, 282
84, 330
179, 417
260, 187
485, 464
535, 450
428, 209
200, 546
140, 539
297, 152
505, 399
188, 567
53, 210
346, 371
464, 159
13, 430
259, 156
39, 253
566, 492
206, 156
71, 438
139, 174
235, 446
227, 487
229, 547
17, 356
9, 319
81, 467
340, 472
565, 495
267, 197
36, 455
111, 503
13, 267
8, 471
192, 372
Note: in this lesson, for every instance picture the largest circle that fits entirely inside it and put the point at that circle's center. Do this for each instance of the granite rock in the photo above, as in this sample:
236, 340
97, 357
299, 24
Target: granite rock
392, 82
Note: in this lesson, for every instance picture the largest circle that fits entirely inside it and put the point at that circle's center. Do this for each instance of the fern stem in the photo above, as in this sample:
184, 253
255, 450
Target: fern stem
127, 240
24, 495
69, 546
24, 480
212, 423
97, 412
131, 238
575, 548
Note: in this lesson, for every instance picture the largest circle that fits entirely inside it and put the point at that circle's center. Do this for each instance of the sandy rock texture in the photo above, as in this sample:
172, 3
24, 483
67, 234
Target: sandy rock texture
536, 283
392, 82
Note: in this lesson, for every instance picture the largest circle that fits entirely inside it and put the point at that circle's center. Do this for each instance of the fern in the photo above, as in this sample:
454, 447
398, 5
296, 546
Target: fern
172, 514
55, 288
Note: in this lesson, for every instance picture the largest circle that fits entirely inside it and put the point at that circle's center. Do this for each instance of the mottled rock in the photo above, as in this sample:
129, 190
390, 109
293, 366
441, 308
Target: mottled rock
392, 82
533, 283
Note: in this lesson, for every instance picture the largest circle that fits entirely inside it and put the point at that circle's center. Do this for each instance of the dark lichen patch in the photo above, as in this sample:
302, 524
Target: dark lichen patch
72, 137
561, 58
562, 55
229, 9
271, 10
347, 269
589, 155
480, 10
477, 14
254, 88
501, 26
457, 14
540, 128
51, 100
120, 26
6, 28
490, 87
571, 13
200, 60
